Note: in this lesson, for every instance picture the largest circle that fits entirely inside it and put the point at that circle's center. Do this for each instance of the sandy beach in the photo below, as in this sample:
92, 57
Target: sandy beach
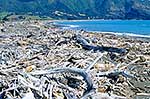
44, 62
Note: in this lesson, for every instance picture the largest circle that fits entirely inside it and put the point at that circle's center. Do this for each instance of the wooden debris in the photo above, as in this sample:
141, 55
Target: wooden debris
40, 61
86, 45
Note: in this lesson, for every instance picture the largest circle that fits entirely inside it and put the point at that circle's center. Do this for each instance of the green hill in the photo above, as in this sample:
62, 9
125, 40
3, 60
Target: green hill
79, 9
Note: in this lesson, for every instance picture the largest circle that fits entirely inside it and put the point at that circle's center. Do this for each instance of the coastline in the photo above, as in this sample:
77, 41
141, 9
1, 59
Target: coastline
32, 51
78, 27
126, 35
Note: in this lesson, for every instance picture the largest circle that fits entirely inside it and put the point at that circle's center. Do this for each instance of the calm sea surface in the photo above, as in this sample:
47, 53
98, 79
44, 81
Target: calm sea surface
126, 27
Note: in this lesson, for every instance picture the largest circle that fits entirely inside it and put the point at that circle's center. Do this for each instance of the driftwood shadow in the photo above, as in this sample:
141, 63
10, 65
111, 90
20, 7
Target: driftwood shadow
85, 45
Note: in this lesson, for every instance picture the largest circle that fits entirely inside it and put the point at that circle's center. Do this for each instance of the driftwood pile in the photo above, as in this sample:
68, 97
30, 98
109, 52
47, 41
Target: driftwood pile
40, 61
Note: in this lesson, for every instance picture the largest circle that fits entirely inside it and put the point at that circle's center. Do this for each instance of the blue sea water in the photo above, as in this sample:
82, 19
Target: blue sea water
125, 27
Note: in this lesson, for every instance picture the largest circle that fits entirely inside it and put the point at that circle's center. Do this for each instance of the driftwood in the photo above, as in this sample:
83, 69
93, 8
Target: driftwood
43, 62
69, 70
95, 61
43, 78
115, 76
85, 45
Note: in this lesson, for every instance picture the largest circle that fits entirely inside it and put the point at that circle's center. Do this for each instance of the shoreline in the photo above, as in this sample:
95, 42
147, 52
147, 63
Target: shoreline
129, 35
76, 27
126, 35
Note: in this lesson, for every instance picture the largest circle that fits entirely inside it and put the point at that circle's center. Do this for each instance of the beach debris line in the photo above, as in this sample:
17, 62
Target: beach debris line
42, 61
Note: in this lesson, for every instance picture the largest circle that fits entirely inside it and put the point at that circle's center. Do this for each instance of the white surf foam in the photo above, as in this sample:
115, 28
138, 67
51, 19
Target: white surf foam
123, 34
70, 26
73, 26
133, 35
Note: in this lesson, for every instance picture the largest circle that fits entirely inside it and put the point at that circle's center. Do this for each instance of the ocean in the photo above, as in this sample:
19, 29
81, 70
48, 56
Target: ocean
120, 27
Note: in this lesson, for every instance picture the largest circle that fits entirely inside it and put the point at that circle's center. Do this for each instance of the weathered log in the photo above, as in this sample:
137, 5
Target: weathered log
78, 71
85, 45
115, 75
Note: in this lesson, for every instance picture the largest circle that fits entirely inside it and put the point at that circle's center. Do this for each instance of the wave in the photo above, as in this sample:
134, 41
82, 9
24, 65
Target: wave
125, 34
73, 26
133, 35
69, 26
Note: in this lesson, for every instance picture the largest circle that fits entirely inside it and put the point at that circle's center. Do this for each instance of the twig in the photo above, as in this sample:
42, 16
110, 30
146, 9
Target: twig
51, 91
95, 61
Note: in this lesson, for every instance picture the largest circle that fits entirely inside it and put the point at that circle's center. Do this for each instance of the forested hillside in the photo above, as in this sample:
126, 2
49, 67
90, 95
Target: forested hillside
79, 9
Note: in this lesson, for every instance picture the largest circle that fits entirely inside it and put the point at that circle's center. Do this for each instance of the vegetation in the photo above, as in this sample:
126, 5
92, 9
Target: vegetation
75, 9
